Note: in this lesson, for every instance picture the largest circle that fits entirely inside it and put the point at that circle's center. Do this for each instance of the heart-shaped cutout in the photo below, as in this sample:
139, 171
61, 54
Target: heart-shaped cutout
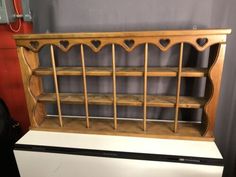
202, 41
64, 43
129, 43
96, 43
164, 42
34, 44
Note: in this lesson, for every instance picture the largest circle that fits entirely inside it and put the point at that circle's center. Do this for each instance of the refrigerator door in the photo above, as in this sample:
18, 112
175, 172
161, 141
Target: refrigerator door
41, 153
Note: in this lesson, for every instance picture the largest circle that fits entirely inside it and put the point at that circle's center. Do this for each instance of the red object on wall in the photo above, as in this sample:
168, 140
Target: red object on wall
11, 86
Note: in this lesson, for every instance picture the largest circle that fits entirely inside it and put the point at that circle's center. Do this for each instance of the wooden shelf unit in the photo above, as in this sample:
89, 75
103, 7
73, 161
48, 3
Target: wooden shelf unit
28, 47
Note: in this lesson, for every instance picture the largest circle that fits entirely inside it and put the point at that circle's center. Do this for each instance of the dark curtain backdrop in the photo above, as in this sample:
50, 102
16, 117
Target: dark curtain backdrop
126, 15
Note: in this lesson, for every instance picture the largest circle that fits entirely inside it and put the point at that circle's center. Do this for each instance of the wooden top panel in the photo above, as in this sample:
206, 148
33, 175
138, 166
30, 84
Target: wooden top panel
189, 32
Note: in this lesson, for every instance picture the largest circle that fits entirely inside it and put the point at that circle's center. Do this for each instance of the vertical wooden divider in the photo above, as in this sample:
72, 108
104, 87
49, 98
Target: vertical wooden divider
114, 84
145, 88
56, 85
178, 87
85, 85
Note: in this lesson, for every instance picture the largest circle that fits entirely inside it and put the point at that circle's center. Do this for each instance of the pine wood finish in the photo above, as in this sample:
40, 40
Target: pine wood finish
28, 47
123, 71
124, 100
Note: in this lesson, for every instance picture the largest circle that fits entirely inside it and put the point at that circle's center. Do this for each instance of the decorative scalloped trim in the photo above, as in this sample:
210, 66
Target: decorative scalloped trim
66, 45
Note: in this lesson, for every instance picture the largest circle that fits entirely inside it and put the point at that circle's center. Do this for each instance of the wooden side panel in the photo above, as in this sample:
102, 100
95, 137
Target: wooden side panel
216, 62
32, 85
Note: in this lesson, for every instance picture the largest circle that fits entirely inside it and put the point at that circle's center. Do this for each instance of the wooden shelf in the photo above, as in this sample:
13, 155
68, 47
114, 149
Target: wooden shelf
123, 71
124, 100
125, 127
28, 49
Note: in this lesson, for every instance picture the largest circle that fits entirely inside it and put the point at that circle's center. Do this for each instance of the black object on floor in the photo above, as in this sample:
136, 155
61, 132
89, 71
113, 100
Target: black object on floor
10, 132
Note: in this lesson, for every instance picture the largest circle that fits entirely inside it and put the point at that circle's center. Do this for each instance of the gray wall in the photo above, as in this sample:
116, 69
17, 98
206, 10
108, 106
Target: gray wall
225, 132
126, 15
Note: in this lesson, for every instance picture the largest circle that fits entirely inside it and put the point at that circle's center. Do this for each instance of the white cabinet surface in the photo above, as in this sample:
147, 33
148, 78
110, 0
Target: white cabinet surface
54, 154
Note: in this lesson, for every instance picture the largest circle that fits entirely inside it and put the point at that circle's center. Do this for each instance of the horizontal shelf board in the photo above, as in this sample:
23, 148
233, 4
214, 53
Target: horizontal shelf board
123, 71
161, 33
124, 100
125, 127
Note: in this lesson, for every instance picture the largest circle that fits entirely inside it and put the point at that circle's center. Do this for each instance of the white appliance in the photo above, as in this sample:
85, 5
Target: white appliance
54, 154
